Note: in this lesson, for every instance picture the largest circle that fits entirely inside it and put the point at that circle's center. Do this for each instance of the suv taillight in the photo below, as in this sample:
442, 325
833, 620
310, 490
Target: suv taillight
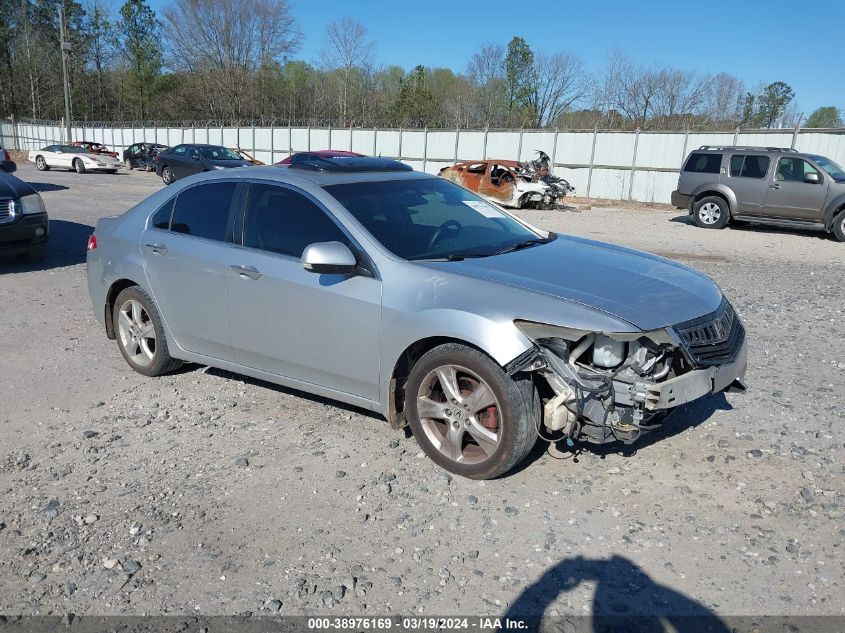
92, 242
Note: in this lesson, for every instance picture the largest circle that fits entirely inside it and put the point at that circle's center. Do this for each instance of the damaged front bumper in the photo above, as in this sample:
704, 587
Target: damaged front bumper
693, 385
658, 371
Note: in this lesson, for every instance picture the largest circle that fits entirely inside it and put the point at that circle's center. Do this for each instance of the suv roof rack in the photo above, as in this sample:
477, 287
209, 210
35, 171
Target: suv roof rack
749, 148
345, 164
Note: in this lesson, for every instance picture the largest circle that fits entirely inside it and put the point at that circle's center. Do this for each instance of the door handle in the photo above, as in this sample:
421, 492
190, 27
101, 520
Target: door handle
775, 186
158, 249
247, 271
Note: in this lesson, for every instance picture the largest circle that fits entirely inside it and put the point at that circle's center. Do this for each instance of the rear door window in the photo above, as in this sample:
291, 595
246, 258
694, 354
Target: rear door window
749, 166
161, 218
704, 163
204, 211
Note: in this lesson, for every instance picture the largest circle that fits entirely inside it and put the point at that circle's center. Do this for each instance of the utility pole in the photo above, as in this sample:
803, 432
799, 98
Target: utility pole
65, 53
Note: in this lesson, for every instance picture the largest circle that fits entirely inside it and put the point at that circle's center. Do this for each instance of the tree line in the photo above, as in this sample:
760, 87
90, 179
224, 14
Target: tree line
234, 61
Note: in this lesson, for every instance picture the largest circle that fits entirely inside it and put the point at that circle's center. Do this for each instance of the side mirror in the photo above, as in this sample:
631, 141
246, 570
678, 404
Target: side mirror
812, 178
330, 258
8, 166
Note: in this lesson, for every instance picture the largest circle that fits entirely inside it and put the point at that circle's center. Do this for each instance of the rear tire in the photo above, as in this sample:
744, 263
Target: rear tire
128, 164
839, 226
490, 424
79, 166
140, 333
41, 164
711, 212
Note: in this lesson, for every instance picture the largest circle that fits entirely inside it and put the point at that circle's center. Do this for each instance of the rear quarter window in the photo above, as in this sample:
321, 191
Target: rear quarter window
703, 163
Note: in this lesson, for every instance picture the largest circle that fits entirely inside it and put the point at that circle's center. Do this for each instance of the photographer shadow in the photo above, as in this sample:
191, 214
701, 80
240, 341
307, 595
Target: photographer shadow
625, 599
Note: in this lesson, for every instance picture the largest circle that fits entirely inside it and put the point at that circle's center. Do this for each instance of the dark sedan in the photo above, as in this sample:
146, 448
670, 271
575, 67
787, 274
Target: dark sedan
142, 155
24, 226
186, 160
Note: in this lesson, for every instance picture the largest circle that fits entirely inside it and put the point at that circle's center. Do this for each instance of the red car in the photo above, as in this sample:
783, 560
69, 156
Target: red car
322, 153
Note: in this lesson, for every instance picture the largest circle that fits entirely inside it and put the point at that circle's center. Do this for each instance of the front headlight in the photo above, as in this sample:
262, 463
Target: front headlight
32, 204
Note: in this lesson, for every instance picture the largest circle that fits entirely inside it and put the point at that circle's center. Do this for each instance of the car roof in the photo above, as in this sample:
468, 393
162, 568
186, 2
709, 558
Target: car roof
293, 176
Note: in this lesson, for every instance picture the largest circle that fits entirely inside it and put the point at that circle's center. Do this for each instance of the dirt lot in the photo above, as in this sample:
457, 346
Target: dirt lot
204, 492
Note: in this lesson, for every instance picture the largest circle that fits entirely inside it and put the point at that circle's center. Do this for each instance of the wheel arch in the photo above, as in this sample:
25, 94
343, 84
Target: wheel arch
402, 367
108, 309
834, 208
723, 193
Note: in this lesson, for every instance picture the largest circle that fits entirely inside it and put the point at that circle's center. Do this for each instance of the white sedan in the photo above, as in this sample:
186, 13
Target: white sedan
72, 157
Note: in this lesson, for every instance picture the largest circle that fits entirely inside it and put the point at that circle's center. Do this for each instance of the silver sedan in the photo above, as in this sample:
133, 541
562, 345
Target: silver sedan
363, 281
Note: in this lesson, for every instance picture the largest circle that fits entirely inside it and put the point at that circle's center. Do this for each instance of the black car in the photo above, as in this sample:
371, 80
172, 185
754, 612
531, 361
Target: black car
142, 155
24, 226
186, 160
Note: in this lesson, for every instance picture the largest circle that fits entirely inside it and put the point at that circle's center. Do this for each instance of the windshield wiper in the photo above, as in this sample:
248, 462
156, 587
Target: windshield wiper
524, 244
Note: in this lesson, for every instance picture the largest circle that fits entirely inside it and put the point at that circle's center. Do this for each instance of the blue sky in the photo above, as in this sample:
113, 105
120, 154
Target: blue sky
756, 41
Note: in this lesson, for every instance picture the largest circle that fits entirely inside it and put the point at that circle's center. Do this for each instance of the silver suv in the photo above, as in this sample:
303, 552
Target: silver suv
771, 185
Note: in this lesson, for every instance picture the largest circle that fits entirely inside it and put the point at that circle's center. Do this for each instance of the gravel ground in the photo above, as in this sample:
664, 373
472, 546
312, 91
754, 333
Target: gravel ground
205, 492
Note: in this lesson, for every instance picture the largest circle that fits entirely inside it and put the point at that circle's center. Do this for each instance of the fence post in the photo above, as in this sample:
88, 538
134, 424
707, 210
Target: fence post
519, 151
736, 134
193, 133
400, 144
272, 143
122, 142
684, 151
308, 144
330, 139
795, 134
375, 140
592, 159
457, 139
484, 148
554, 152
350, 137
425, 147
253, 139
221, 134
633, 166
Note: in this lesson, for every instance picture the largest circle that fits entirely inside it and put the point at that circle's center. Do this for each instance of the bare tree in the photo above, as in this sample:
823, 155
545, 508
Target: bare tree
346, 50
224, 43
559, 82
486, 71
724, 96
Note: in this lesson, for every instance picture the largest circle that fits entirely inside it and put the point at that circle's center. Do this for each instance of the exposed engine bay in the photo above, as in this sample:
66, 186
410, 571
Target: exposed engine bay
614, 387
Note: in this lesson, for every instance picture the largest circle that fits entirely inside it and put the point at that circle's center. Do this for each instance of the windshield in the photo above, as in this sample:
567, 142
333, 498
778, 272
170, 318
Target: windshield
431, 219
219, 153
833, 170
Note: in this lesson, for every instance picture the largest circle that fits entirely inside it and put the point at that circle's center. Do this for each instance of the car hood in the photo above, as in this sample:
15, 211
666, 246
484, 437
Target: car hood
648, 291
12, 187
227, 163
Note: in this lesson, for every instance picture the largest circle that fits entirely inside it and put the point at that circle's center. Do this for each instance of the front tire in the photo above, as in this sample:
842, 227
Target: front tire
839, 226
41, 164
140, 334
79, 166
128, 164
711, 212
467, 414
167, 176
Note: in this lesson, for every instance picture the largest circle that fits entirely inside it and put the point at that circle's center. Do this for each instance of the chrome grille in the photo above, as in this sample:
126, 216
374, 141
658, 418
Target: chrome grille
714, 339
7, 210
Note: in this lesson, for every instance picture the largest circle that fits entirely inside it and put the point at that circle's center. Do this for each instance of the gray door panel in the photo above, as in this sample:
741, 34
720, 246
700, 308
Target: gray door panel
188, 280
321, 329
789, 197
750, 194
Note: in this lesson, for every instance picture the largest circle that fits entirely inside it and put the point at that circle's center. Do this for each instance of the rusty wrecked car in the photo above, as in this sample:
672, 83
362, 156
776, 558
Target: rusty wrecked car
511, 183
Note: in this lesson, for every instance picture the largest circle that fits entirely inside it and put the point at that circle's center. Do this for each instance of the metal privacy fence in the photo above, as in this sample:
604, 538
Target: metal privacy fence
620, 165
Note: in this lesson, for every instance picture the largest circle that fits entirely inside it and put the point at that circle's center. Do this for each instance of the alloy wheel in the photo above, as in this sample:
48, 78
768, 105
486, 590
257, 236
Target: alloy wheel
136, 332
709, 213
460, 414
40, 163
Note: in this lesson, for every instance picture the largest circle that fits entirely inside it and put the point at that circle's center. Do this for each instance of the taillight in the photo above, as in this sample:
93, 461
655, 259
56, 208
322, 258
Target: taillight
92, 242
